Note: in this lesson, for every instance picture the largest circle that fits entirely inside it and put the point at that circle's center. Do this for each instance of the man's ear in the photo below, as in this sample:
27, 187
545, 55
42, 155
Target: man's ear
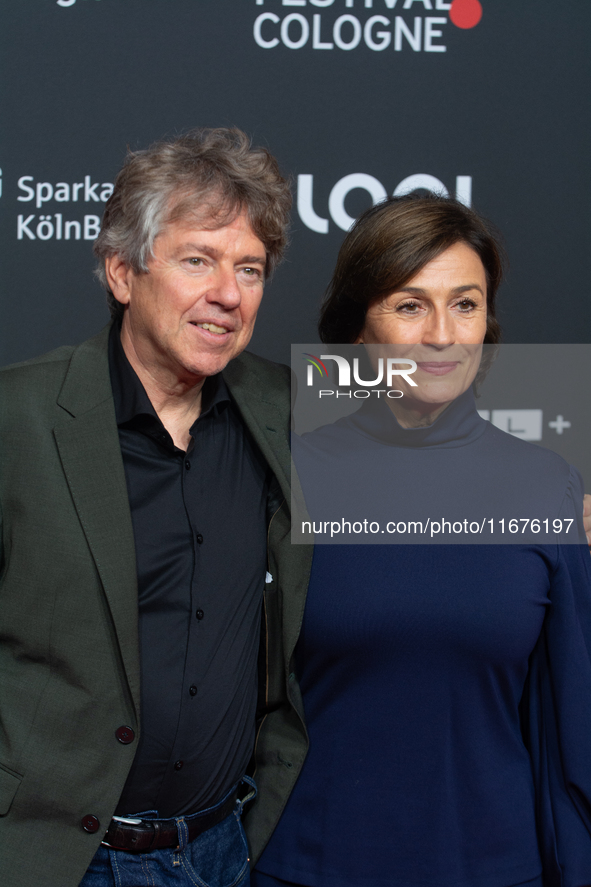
118, 274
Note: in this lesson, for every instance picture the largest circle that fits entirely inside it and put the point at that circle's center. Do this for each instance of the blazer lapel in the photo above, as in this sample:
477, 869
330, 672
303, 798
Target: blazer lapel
265, 409
264, 417
88, 444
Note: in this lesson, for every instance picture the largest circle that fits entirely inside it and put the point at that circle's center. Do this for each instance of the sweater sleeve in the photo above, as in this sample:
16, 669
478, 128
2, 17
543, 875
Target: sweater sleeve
557, 707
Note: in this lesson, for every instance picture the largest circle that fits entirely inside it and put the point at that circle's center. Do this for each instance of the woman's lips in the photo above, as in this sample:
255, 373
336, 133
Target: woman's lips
438, 367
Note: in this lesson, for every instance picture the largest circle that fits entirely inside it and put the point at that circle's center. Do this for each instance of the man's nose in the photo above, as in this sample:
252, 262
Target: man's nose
226, 290
440, 329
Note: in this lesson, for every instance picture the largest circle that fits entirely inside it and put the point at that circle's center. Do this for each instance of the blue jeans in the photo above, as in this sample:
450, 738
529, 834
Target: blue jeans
216, 858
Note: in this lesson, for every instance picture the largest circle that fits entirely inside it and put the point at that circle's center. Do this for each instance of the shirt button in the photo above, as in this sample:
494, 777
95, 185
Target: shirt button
199, 614
187, 464
178, 765
199, 538
90, 824
125, 735
193, 690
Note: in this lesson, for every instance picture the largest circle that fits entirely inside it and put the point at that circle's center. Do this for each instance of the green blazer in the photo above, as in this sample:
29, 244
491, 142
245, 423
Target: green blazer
69, 659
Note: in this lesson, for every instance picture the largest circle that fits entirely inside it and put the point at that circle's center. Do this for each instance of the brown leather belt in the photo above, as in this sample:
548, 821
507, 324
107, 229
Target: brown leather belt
154, 834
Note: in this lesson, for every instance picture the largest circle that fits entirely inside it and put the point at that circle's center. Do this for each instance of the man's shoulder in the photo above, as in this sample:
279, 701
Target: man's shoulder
38, 364
61, 355
258, 376
30, 382
44, 376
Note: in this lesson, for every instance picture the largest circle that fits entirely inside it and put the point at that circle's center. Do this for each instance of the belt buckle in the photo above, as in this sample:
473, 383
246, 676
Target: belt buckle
125, 821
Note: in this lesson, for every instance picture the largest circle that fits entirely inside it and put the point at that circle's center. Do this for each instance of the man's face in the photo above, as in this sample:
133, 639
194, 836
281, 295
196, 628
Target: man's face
195, 308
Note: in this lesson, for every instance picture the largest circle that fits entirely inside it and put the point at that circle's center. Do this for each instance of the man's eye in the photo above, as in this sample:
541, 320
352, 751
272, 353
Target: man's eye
251, 272
195, 261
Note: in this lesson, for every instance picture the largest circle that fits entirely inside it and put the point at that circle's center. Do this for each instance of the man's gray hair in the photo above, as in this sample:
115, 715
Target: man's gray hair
210, 175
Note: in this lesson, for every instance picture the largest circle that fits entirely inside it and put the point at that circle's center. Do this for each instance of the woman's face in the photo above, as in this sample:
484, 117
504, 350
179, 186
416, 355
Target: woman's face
439, 320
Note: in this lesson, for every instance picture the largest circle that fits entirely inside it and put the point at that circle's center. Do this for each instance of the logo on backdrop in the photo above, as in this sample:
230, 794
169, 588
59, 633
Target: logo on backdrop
55, 225
336, 201
65, 2
525, 424
417, 31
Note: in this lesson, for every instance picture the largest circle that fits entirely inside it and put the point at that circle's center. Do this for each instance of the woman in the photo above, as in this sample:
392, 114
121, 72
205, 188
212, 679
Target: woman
447, 688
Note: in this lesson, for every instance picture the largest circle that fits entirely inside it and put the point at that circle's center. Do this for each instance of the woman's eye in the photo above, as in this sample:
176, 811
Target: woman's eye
466, 305
409, 307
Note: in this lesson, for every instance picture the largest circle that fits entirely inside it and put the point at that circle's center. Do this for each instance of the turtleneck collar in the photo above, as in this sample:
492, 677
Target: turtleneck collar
458, 425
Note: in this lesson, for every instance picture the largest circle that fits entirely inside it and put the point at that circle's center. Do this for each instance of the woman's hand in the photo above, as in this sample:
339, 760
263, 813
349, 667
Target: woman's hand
587, 516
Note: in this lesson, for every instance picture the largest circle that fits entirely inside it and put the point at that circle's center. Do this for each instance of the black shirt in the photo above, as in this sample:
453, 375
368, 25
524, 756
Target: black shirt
199, 521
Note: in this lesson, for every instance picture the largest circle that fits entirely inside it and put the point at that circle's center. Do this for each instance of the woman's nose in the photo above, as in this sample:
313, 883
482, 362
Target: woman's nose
439, 330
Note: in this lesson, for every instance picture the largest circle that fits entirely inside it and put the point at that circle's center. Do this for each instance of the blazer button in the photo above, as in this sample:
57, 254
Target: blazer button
125, 735
90, 824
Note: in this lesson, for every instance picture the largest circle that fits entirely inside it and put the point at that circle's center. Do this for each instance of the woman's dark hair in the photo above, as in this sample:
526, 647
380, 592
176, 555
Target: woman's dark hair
389, 244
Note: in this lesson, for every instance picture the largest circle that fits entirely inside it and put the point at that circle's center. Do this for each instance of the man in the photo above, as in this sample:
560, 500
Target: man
144, 480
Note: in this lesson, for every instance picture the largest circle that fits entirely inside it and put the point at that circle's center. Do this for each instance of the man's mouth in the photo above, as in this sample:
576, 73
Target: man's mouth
211, 327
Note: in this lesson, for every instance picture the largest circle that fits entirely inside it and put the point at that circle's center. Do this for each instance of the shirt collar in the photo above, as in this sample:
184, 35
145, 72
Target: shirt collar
131, 400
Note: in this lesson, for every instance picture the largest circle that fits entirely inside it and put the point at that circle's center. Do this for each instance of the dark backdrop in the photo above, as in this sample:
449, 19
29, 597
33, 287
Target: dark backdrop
503, 105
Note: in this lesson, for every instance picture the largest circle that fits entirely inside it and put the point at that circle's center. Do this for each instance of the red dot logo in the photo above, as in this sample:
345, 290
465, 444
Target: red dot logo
465, 13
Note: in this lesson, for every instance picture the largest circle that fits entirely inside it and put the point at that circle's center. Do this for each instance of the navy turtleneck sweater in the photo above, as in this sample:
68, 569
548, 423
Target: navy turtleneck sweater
413, 662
